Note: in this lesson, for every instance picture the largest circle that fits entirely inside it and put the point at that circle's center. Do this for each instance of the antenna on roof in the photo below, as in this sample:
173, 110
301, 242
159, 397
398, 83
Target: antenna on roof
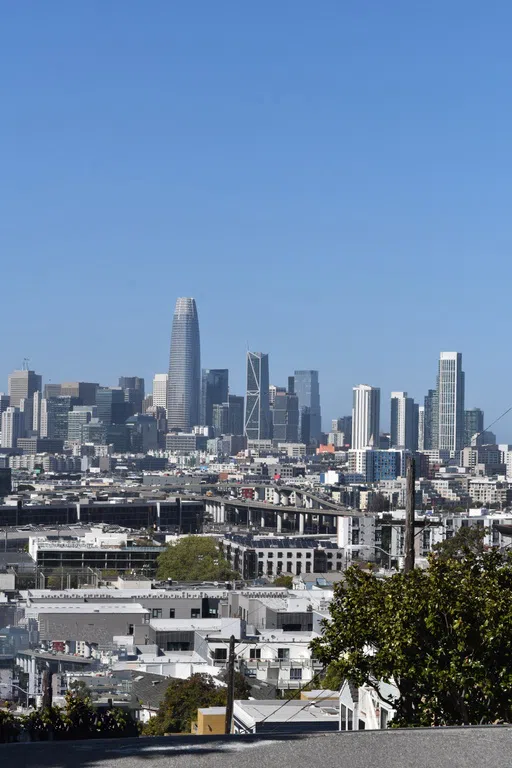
26, 361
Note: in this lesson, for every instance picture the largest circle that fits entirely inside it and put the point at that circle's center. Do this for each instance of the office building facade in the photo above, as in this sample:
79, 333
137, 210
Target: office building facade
184, 367
160, 385
12, 427
236, 415
285, 416
257, 410
214, 391
85, 391
307, 389
23, 385
365, 417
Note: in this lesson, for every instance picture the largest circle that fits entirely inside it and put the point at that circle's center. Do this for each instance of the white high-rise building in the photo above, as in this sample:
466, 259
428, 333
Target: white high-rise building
450, 395
365, 417
12, 427
160, 382
404, 430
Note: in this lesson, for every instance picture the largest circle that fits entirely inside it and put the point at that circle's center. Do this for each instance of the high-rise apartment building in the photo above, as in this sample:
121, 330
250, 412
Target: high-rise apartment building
421, 428
307, 389
286, 418
257, 409
473, 424
12, 427
160, 381
450, 397
430, 421
22, 385
184, 367
404, 429
214, 391
365, 417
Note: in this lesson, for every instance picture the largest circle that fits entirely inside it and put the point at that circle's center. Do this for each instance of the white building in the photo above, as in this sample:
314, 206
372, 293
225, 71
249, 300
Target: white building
450, 388
12, 427
362, 709
365, 416
160, 390
403, 428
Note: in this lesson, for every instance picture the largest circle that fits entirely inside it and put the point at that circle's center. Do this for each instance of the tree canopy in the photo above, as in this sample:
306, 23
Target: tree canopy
442, 635
184, 697
467, 539
194, 558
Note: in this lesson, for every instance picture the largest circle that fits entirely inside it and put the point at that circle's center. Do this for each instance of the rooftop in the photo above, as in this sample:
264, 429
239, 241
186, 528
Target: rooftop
91, 608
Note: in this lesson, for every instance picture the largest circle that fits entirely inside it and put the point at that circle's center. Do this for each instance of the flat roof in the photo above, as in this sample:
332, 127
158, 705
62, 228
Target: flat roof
90, 608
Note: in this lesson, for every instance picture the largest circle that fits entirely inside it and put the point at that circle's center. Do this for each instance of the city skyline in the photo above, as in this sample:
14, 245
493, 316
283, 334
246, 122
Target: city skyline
315, 181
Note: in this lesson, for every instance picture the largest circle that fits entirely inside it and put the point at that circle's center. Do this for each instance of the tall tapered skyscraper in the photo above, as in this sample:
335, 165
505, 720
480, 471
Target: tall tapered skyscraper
184, 367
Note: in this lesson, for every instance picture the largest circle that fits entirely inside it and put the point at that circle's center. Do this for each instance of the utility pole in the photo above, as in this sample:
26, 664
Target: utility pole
409, 515
231, 685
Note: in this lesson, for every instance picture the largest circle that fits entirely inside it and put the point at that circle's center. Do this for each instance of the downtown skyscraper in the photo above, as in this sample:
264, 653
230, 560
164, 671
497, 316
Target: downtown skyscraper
366, 417
307, 389
184, 385
257, 408
450, 402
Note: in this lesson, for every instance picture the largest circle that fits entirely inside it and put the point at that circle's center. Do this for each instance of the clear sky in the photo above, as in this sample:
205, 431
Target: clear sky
331, 181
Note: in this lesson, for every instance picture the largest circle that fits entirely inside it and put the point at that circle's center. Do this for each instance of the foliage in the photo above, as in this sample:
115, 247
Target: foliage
333, 678
80, 690
194, 558
181, 702
284, 580
9, 727
443, 636
78, 720
467, 539
242, 685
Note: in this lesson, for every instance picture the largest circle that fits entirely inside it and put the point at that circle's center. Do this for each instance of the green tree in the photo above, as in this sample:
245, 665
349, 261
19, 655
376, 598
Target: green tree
194, 558
442, 635
181, 702
283, 580
466, 540
80, 690
378, 503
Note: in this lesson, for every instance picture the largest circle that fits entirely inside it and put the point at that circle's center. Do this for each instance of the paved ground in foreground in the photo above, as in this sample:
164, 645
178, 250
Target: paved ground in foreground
423, 748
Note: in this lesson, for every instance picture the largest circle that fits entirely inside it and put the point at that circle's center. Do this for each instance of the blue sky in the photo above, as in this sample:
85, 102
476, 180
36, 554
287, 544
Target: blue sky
331, 181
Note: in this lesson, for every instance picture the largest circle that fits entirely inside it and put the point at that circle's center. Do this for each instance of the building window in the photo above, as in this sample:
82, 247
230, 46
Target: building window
220, 654
299, 554
260, 554
289, 555
308, 555
343, 718
350, 719
172, 613
255, 653
280, 555
283, 654
295, 674
195, 613
270, 555
156, 613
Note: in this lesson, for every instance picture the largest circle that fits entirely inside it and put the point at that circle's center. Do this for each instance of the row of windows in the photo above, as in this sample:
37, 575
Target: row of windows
195, 613
289, 555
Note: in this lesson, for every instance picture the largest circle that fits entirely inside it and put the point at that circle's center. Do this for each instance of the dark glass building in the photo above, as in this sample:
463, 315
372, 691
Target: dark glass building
307, 389
286, 417
183, 392
214, 391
